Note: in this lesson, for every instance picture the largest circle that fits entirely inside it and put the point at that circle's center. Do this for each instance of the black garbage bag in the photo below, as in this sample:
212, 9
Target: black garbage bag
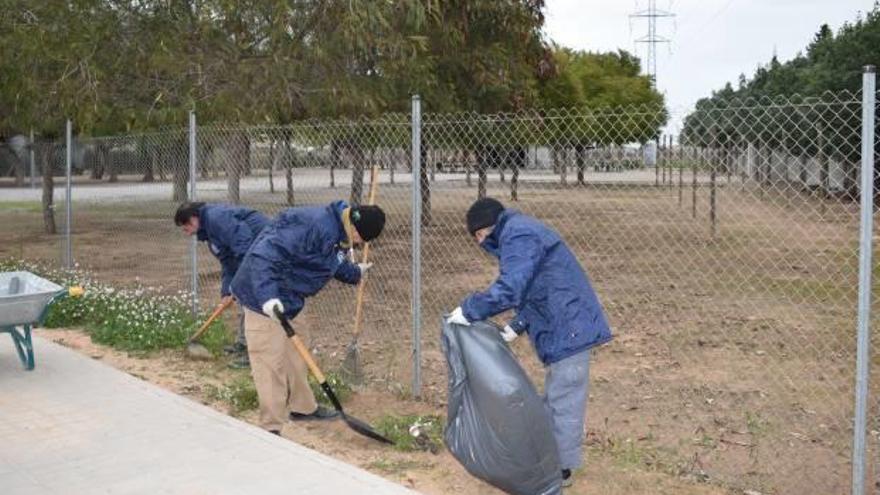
497, 426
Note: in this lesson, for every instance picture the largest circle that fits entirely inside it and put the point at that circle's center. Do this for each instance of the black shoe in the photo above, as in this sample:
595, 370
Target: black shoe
566, 478
241, 363
320, 414
236, 348
275, 432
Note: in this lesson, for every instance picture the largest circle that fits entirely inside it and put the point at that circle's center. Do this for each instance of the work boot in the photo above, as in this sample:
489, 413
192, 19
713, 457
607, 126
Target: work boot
567, 480
320, 414
236, 348
242, 362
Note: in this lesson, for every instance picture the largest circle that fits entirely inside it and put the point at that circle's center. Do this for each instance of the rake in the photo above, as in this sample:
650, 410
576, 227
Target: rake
351, 365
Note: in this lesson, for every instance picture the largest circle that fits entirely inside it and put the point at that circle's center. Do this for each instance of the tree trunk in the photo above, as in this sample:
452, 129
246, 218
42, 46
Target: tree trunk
46, 158
271, 166
559, 157
289, 162
178, 157
554, 157
98, 169
823, 162
467, 166
147, 157
502, 164
335, 157
111, 167
205, 167
426, 188
518, 162
483, 160
20, 166
580, 156
357, 172
238, 162
392, 163
563, 167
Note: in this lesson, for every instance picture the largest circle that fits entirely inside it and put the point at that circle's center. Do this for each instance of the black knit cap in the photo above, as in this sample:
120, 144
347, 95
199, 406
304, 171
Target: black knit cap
368, 220
483, 213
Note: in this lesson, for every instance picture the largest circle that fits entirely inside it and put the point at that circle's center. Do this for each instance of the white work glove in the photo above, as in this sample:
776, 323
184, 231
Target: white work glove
509, 334
457, 318
270, 306
364, 267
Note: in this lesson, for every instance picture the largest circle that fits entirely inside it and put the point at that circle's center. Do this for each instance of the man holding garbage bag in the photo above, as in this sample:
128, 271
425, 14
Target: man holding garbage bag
292, 259
541, 279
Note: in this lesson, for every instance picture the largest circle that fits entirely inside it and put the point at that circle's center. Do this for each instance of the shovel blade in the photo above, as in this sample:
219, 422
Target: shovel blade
364, 429
198, 351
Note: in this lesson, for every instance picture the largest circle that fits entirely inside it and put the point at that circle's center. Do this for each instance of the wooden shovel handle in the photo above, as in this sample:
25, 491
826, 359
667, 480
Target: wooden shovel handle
307, 357
217, 311
301, 348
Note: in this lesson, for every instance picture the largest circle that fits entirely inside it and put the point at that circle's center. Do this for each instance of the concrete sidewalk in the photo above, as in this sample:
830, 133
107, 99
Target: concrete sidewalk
77, 426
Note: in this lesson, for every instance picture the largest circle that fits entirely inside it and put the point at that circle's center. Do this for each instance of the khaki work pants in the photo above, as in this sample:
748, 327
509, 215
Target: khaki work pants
280, 374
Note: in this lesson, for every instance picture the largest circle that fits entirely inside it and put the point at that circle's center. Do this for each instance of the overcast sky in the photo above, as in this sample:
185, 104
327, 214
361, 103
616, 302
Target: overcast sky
713, 41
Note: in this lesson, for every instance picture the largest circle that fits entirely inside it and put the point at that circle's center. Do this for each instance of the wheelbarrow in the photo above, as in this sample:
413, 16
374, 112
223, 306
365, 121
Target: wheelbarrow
24, 301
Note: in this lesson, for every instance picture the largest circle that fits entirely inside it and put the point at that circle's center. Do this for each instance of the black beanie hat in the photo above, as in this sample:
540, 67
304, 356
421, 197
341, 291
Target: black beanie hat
483, 213
368, 220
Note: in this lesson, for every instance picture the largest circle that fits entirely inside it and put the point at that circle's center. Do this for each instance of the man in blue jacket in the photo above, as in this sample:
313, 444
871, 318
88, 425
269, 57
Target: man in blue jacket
541, 280
292, 259
229, 232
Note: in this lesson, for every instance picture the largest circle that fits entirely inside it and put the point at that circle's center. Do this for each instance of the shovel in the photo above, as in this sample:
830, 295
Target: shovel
352, 422
351, 365
196, 350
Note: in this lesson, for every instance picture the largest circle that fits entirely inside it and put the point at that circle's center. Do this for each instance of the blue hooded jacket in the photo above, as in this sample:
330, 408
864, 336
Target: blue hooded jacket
229, 232
294, 257
541, 278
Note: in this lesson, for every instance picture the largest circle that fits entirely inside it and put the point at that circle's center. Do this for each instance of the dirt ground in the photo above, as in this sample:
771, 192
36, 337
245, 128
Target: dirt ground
733, 363
428, 473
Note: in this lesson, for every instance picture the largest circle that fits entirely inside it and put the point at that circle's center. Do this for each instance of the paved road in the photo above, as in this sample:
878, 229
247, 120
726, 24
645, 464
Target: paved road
304, 180
77, 426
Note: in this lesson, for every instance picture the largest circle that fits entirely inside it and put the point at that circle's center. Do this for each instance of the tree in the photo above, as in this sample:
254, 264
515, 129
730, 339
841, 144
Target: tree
597, 99
796, 106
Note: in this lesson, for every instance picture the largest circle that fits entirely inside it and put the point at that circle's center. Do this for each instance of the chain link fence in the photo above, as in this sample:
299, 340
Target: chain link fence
726, 256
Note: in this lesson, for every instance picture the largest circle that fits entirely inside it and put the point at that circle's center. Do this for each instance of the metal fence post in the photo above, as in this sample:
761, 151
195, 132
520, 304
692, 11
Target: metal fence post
416, 243
68, 210
865, 241
32, 162
193, 248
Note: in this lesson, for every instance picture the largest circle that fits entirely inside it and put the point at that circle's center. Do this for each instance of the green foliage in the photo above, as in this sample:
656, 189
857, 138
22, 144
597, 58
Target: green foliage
597, 80
340, 387
141, 319
788, 105
132, 65
240, 395
616, 104
397, 429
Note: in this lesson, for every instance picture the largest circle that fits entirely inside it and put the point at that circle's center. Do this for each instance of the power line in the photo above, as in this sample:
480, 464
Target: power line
652, 39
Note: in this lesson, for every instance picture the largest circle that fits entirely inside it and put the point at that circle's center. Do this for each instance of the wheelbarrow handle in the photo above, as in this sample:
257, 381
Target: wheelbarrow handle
72, 291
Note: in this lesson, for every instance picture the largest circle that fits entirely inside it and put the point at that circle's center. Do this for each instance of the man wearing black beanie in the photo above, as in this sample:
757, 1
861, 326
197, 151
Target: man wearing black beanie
541, 280
292, 259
